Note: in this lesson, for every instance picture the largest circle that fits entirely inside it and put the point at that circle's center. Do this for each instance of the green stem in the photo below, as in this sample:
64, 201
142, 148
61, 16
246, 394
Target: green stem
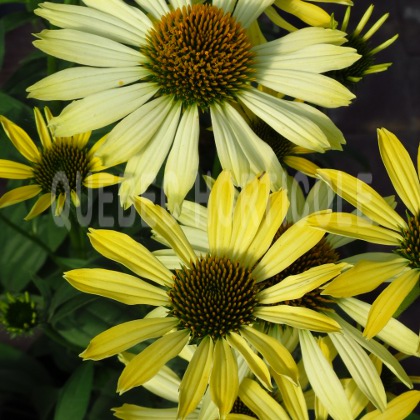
78, 237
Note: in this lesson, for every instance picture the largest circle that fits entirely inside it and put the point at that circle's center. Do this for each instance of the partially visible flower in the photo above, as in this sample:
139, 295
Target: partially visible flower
402, 266
56, 171
159, 72
18, 314
362, 43
212, 300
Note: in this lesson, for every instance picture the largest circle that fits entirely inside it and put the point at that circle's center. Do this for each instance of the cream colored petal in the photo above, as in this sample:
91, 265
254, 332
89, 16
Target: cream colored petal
398, 409
274, 215
255, 363
387, 303
364, 277
275, 354
20, 139
78, 82
291, 245
220, 214
182, 163
121, 248
118, 286
394, 333
294, 287
156, 8
196, 378
194, 215
87, 49
373, 347
360, 368
126, 335
293, 397
15, 170
148, 363
165, 225
249, 210
224, 381
298, 317
19, 194
400, 169
363, 197
247, 12
165, 384
42, 204
100, 109
350, 225
260, 402
100, 180
323, 379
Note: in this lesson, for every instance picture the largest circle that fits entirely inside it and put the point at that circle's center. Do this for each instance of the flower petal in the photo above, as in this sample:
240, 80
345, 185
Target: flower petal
15, 170
19, 194
126, 335
43, 131
246, 12
196, 378
148, 363
136, 412
118, 286
400, 169
123, 249
42, 204
101, 180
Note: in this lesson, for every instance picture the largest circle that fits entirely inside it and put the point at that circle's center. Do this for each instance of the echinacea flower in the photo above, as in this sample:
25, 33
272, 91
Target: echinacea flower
56, 171
158, 72
381, 225
211, 301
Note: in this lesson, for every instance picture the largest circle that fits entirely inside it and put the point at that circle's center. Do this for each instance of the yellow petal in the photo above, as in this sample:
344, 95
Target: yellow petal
43, 131
389, 300
276, 355
291, 245
277, 206
102, 179
400, 169
260, 402
118, 286
59, 204
364, 277
302, 165
220, 210
224, 381
348, 224
249, 211
126, 335
196, 378
297, 317
398, 409
20, 139
136, 412
363, 197
15, 170
148, 363
307, 12
121, 248
19, 194
75, 198
255, 363
42, 204
165, 225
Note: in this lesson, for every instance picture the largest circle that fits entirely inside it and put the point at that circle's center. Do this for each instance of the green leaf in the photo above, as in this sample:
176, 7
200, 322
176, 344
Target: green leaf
2, 42
75, 395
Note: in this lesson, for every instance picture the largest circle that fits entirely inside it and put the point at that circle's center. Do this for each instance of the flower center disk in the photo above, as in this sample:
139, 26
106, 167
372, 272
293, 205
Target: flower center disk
61, 168
200, 55
410, 245
213, 297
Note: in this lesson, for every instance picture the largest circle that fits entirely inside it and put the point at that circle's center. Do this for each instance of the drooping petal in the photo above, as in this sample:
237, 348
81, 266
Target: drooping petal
260, 402
20, 139
165, 384
115, 285
400, 169
165, 224
42, 204
196, 378
15, 170
387, 303
323, 379
123, 249
224, 381
126, 335
363, 197
298, 317
276, 355
146, 364
255, 363
101, 180
19, 194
